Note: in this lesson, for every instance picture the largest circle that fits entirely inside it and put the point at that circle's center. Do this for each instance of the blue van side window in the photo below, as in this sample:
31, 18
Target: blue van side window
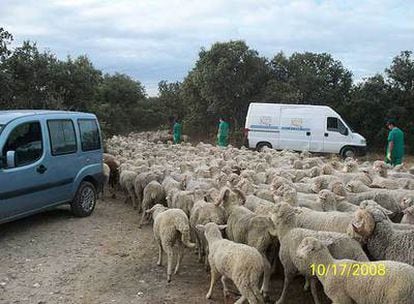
62, 136
90, 139
26, 141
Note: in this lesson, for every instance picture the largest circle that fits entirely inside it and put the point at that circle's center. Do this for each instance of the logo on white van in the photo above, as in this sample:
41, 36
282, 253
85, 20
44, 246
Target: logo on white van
296, 122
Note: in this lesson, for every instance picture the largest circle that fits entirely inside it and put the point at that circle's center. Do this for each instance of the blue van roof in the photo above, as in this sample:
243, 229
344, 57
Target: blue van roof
9, 115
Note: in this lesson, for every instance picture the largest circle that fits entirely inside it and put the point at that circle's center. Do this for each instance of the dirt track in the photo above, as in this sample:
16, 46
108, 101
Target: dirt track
56, 258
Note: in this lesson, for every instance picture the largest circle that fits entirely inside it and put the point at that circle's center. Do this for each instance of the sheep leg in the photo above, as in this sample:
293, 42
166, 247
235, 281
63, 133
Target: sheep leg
225, 288
266, 277
314, 290
288, 279
214, 277
159, 262
249, 294
170, 256
142, 217
180, 251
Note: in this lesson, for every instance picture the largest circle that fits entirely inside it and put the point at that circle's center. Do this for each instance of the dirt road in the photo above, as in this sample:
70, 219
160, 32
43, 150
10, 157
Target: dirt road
56, 258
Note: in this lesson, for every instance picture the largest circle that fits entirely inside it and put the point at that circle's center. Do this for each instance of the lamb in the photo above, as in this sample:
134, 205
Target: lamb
141, 181
153, 194
126, 181
201, 214
244, 226
290, 236
383, 242
240, 263
183, 200
395, 286
170, 227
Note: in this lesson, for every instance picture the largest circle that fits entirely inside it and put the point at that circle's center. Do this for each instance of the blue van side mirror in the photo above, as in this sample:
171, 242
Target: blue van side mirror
11, 159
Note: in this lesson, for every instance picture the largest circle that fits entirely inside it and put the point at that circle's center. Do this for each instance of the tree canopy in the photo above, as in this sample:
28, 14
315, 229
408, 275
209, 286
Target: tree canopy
225, 78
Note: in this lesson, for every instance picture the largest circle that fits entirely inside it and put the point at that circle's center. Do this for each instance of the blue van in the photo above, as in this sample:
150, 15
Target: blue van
49, 158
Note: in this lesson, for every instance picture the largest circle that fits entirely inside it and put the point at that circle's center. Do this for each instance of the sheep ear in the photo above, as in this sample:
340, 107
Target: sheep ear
201, 228
224, 194
222, 227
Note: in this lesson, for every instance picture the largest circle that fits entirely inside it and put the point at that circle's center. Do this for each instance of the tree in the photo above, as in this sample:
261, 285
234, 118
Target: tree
226, 78
118, 98
308, 78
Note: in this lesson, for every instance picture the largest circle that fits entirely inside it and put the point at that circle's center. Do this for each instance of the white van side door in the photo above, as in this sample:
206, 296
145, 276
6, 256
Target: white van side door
295, 129
336, 134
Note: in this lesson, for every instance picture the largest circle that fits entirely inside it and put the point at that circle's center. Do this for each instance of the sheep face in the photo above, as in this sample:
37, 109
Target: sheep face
338, 188
327, 169
406, 202
363, 223
328, 200
308, 248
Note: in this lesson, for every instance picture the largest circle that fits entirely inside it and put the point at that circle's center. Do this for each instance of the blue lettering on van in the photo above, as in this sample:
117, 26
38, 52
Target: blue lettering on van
263, 128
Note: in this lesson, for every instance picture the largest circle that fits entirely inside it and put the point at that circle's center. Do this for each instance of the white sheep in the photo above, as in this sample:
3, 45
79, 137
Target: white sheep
240, 263
170, 228
153, 194
394, 285
383, 242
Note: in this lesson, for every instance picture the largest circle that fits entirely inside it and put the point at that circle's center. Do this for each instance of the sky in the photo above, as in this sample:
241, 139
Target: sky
156, 40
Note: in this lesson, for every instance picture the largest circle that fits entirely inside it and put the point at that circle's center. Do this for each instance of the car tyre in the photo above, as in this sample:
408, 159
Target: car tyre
261, 145
85, 200
348, 152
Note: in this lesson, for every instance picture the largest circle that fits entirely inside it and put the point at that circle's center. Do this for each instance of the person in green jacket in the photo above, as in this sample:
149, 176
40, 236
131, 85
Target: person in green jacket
177, 132
223, 133
395, 144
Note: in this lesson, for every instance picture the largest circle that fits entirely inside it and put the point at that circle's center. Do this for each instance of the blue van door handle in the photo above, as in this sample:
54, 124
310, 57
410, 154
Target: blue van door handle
41, 169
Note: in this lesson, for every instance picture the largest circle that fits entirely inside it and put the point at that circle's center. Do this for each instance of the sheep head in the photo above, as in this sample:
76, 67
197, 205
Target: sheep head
406, 202
375, 207
310, 247
337, 188
328, 200
363, 223
228, 197
327, 169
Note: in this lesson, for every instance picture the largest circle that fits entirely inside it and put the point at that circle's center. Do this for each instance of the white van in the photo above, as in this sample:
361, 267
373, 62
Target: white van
301, 127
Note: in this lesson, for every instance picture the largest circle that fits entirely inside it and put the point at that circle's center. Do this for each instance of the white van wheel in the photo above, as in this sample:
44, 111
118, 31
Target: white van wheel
261, 145
348, 152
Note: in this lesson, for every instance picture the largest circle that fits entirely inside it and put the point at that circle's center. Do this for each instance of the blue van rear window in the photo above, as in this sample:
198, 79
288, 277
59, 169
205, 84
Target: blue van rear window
90, 138
62, 136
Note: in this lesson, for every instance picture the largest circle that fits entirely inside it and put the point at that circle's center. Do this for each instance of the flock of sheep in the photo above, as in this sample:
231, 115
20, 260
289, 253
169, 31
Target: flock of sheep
247, 212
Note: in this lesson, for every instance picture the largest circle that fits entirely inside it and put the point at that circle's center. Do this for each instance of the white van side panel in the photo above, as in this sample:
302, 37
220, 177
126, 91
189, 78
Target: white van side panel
263, 123
301, 129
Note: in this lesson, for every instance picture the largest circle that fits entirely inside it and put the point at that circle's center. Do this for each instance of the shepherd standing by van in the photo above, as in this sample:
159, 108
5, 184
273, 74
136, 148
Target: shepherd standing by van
395, 145
223, 133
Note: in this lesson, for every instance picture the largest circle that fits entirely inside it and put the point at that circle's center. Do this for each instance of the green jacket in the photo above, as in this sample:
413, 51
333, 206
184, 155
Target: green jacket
397, 137
177, 132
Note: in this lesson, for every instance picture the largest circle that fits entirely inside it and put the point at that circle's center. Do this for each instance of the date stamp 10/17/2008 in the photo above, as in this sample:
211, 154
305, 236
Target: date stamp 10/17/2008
349, 269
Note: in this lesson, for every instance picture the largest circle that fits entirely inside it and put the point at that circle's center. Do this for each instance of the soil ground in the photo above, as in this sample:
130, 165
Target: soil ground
54, 257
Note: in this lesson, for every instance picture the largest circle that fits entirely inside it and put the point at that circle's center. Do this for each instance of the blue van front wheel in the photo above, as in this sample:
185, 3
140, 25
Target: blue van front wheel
85, 200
